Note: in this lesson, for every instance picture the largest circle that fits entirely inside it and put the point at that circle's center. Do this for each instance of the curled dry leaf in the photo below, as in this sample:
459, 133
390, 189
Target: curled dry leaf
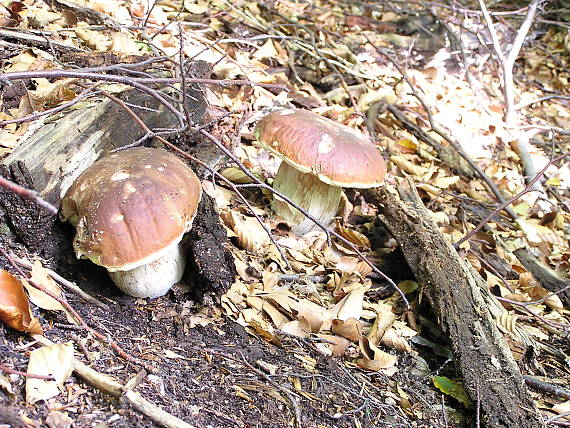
14, 306
236, 175
350, 329
393, 340
337, 345
353, 236
43, 300
295, 328
249, 232
374, 359
351, 305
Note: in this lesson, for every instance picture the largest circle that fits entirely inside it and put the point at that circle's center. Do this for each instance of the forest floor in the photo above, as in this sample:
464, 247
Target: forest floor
308, 335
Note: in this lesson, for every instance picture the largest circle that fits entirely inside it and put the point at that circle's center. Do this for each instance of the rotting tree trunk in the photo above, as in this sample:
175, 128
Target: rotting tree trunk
490, 374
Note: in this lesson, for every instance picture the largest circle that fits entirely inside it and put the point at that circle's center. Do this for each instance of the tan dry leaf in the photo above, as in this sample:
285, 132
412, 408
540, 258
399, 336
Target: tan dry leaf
562, 408
57, 419
14, 306
350, 329
374, 359
54, 360
317, 317
236, 175
123, 43
350, 306
39, 298
250, 233
295, 328
393, 340
269, 280
405, 165
93, 39
531, 286
338, 346
276, 316
384, 320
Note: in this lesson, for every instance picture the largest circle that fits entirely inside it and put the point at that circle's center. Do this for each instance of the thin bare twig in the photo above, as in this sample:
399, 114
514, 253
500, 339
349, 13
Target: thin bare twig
8, 370
31, 195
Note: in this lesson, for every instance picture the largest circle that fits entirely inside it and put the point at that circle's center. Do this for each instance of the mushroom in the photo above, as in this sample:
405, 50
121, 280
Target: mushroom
130, 210
320, 157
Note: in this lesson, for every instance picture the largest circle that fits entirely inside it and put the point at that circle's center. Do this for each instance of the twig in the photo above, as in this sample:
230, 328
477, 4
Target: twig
508, 61
5, 369
527, 189
547, 387
31, 195
86, 92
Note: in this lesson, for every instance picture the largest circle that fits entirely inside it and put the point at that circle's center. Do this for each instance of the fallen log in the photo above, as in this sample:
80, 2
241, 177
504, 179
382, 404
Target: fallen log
457, 295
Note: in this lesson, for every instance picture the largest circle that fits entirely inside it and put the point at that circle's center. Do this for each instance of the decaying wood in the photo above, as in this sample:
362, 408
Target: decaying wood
51, 159
490, 374
61, 149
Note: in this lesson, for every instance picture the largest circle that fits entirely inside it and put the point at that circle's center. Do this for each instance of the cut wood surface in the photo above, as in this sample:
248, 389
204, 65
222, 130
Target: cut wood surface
490, 374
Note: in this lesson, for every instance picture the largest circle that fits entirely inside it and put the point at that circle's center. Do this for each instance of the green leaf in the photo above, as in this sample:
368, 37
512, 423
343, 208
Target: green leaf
452, 388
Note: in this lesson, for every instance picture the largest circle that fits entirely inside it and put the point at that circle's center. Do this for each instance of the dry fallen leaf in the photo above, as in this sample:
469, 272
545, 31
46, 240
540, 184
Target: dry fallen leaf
39, 298
374, 359
54, 360
14, 306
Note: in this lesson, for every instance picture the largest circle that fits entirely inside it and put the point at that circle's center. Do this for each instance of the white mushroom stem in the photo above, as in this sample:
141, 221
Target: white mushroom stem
155, 278
319, 199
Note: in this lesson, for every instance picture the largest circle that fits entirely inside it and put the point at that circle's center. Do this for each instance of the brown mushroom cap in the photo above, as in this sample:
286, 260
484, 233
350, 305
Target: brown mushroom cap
337, 154
130, 206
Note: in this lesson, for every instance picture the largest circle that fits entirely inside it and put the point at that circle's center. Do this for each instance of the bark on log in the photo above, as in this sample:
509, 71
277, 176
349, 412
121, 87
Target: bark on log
456, 293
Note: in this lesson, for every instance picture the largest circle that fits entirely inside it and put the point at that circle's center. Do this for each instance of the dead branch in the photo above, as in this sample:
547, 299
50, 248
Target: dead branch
456, 294
508, 61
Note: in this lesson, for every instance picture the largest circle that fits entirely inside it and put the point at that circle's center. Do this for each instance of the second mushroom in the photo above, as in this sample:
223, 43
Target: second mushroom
320, 157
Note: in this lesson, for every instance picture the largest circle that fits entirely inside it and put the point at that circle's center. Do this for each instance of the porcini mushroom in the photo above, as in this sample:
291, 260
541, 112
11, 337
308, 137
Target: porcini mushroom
130, 210
320, 157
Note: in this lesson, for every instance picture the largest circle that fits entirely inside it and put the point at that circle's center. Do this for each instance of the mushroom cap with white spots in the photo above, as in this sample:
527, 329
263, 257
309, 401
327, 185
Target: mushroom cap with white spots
338, 155
130, 206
